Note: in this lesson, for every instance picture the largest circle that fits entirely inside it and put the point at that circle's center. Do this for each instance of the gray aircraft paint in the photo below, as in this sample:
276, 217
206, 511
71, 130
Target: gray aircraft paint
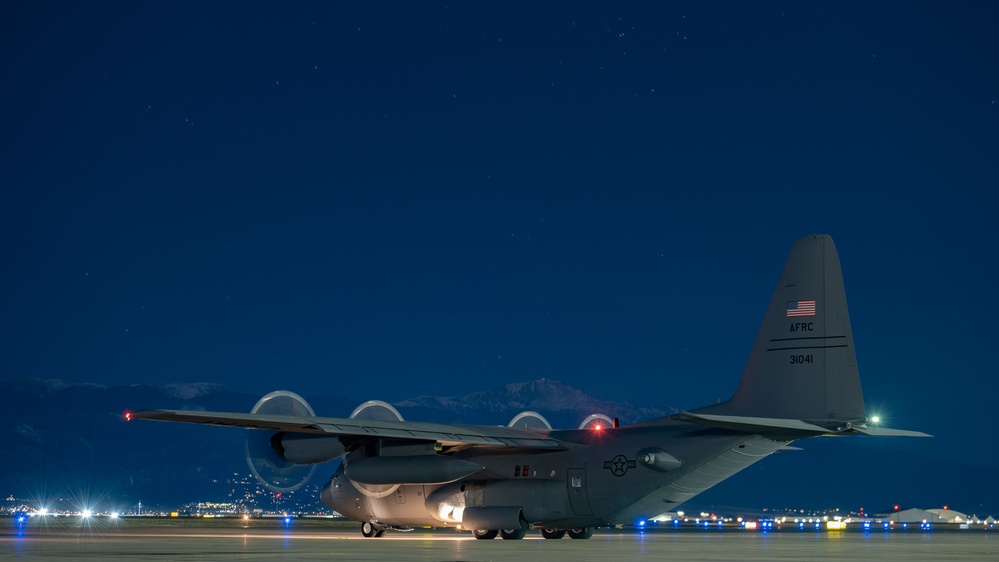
801, 381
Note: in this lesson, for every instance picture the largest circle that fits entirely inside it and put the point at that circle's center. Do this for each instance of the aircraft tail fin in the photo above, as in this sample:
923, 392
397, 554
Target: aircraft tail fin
803, 365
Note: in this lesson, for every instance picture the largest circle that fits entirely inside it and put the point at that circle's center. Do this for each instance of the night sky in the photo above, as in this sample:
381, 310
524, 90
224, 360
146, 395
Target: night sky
382, 200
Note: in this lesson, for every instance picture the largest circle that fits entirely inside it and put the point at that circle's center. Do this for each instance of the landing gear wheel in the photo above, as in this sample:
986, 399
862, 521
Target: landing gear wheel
485, 534
369, 530
581, 533
553, 533
515, 534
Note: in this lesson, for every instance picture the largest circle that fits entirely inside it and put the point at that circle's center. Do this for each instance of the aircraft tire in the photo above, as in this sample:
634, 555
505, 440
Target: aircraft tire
368, 530
553, 534
581, 533
515, 534
485, 534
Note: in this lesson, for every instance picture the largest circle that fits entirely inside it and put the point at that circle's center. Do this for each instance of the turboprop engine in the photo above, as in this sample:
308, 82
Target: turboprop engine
267, 454
283, 462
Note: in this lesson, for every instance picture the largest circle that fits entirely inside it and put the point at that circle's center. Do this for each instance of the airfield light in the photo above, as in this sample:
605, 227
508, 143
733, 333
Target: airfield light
114, 515
597, 427
87, 513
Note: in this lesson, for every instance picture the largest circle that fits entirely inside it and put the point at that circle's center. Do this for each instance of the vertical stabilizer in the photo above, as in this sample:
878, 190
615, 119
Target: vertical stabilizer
803, 365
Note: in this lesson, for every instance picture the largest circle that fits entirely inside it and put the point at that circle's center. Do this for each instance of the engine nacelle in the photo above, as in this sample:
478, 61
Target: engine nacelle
265, 451
303, 448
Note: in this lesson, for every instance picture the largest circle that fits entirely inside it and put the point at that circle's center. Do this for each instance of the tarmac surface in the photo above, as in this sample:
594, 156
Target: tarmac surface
160, 539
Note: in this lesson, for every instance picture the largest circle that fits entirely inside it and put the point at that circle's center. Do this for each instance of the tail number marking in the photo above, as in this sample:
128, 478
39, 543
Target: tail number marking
802, 359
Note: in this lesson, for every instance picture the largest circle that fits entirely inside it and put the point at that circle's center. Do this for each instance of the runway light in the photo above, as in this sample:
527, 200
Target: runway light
114, 515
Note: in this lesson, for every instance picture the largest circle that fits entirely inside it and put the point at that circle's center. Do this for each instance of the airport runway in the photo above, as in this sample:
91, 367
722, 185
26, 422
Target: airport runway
132, 539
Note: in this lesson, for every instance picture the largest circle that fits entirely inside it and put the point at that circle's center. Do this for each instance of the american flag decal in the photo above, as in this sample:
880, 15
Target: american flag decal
800, 308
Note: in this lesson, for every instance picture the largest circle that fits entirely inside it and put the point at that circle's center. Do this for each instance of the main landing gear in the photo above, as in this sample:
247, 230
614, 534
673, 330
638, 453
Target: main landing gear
507, 534
581, 533
517, 534
577, 533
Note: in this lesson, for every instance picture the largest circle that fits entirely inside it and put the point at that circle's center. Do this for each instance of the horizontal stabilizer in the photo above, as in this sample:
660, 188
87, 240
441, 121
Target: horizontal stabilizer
889, 432
800, 428
752, 424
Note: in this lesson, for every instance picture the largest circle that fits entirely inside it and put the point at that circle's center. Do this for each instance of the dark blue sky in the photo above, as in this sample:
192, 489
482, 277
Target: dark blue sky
385, 200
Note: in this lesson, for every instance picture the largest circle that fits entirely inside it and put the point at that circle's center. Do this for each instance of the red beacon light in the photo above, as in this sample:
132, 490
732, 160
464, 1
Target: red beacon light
128, 416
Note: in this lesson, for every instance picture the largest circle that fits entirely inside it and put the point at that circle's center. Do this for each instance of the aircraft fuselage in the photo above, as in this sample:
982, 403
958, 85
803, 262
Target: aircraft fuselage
600, 477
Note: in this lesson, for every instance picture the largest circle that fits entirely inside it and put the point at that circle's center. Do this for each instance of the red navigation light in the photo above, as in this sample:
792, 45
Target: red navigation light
128, 416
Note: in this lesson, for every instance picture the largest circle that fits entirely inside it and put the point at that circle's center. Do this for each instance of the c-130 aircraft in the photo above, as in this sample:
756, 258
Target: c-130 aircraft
801, 381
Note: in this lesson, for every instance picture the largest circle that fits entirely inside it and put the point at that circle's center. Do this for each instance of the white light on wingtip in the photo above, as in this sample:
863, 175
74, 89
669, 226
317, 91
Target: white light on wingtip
875, 419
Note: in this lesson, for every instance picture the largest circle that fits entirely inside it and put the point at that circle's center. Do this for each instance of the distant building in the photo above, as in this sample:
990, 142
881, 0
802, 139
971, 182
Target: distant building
949, 515
916, 515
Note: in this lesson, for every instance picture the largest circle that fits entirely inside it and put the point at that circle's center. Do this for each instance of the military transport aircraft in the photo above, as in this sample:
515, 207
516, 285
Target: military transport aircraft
801, 381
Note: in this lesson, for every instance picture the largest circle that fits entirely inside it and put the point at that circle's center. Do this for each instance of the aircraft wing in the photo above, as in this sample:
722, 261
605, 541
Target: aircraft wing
446, 434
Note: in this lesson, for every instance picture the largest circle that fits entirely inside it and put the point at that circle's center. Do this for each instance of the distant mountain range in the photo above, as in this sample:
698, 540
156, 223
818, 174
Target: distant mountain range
69, 440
